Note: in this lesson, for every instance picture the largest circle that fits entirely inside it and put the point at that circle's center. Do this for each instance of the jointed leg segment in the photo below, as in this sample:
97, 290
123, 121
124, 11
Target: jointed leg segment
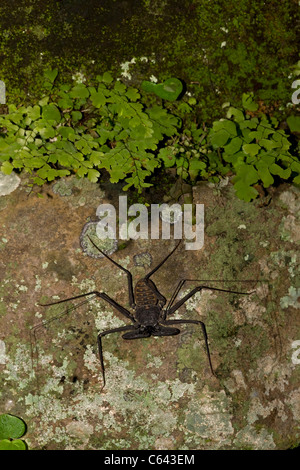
104, 333
101, 295
128, 274
171, 310
196, 322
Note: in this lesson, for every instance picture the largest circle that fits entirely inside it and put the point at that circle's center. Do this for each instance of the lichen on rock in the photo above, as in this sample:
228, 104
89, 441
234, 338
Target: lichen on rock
8, 183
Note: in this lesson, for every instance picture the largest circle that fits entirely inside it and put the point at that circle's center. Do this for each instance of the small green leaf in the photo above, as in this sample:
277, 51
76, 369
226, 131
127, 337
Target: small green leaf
120, 87
168, 90
172, 88
107, 77
83, 146
63, 158
220, 138
237, 114
7, 167
294, 123
76, 116
18, 444
46, 172
98, 99
79, 91
66, 132
65, 102
38, 181
282, 172
183, 107
135, 121
248, 103
44, 100
168, 157
246, 175
257, 134
264, 174
246, 193
34, 112
50, 112
4, 147
51, 74
233, 146
62, 173
268, 144
192, 101
251, 149
11, 427
195, 167
93, 175
295, 166
249, 123
296, 180
149, 87
132, 94
196, 164
82, 171
95, 157
47, 132
225, 124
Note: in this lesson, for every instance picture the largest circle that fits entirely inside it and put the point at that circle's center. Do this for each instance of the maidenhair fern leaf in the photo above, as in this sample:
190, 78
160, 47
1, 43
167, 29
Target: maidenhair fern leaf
84, 129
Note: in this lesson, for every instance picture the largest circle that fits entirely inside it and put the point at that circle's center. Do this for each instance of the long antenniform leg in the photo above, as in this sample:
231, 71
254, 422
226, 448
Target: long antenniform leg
162, 262
182, 281
103, 296
128, 273
104, 333
171, 310
161, 298
112, 302
44, 323
118, 307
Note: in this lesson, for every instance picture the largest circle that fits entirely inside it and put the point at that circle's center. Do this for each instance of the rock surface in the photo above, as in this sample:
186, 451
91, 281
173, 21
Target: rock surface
159, 392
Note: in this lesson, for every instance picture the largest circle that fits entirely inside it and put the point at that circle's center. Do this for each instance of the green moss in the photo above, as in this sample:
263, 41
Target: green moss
256, 35
2, 308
